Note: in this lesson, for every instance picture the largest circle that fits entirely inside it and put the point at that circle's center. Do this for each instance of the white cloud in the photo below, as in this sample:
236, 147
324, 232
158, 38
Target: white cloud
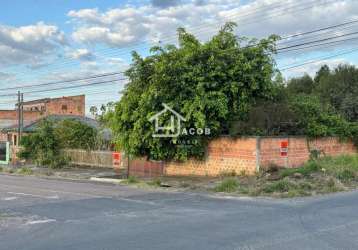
82, 55
126, 25
28, 44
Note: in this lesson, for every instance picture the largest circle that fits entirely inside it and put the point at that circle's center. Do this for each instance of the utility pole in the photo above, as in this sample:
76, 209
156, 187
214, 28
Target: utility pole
20, 98
21, 114
18, 117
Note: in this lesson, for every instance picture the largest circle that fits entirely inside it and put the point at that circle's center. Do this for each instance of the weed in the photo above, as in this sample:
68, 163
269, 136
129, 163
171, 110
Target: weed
279, 186
132, 180
243, 172
272, 167
309, 168
1, 169
155, 182
228, 185
346, 175
25, 171
331, 186
226, 173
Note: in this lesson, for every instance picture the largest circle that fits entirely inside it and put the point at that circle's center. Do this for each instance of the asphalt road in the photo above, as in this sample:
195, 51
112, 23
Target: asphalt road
50, 214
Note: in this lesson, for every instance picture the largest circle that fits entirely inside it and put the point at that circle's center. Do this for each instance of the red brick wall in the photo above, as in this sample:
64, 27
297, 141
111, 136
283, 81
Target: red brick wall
245, 155
140, 167
75, 105
299, 150
12, 115
223, 155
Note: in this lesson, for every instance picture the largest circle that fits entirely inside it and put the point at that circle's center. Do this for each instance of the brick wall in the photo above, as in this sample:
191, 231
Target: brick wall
141, 167
299, 150
246, 155
72, 105
223, 155
11, 115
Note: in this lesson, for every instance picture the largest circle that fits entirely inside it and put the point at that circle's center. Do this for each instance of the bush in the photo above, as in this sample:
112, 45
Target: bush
44, 145
228, 185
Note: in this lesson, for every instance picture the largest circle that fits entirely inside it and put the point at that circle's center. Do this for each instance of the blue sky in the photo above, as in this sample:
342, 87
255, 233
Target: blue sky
43, 41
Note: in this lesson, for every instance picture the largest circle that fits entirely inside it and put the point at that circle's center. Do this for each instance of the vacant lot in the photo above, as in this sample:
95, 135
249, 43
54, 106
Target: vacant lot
318, 176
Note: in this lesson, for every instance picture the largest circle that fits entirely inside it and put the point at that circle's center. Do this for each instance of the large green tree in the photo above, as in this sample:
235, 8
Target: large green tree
340, 89
211, 84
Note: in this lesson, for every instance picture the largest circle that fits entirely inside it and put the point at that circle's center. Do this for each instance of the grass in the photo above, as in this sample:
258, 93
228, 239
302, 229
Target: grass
25, 171
309, 168
155, 182
132, 180
317, 176
279, 186
227, 185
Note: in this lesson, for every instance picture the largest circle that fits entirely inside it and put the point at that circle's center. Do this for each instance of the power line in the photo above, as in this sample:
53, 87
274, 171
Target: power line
316, 41
64, 81
69, 87
293, 7
319, 59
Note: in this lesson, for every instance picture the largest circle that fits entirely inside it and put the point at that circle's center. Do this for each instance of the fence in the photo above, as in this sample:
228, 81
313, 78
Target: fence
241, 155
246, 156
80, 157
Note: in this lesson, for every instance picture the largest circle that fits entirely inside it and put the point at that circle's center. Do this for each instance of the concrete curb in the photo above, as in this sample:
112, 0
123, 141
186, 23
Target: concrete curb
107, 180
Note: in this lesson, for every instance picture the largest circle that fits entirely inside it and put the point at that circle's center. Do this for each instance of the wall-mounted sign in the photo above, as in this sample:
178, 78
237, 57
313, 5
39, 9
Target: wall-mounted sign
116, 159
284, 148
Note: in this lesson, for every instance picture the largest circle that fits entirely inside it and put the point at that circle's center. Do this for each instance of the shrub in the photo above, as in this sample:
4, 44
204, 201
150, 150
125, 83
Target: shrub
228, 185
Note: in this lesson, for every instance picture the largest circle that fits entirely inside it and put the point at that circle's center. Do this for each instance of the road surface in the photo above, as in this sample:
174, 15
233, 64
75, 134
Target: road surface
53, 214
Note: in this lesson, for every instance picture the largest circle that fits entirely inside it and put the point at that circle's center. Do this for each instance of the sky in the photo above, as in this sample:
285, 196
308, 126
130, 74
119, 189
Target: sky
44, 41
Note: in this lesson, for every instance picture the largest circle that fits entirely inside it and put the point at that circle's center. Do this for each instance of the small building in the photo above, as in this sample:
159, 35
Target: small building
11, 132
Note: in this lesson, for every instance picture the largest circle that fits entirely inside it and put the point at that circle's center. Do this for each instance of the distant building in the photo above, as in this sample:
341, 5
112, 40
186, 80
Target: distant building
37, 109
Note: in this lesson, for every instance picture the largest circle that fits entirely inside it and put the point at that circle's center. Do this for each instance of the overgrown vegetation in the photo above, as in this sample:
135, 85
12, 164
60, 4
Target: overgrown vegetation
319, 176
232, 89
211, 84
44, 145
227, 185
25, 171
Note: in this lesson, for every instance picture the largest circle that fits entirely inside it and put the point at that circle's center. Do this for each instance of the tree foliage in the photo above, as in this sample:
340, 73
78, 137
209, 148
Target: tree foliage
75, 134
211, 84
44, 145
